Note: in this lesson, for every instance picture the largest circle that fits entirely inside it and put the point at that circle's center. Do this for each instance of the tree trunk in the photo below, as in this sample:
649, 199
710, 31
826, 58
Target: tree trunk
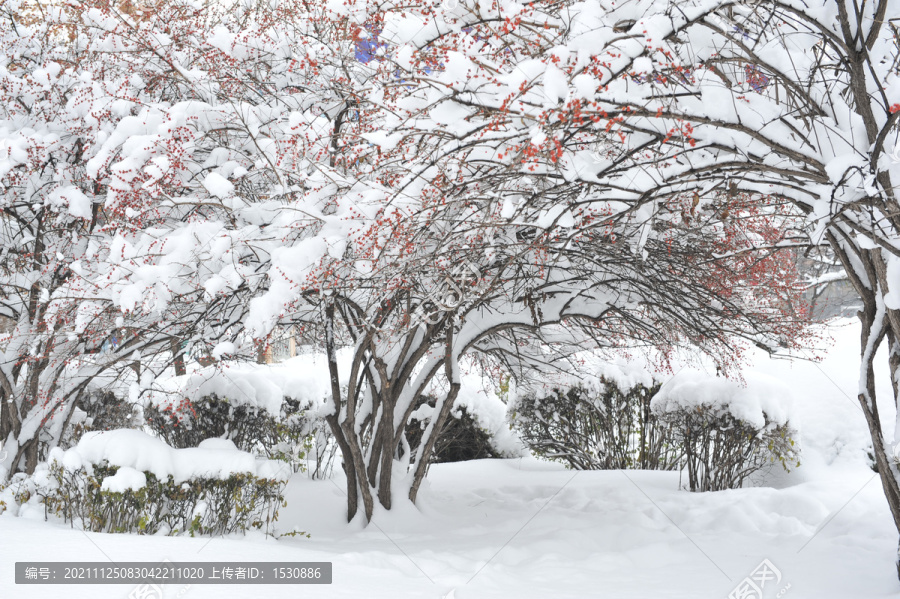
428, 446
878, 323
178, 357
347, 465
27, 452
5, 417
867, 272
451, 371
887, 468
355, 455
387, 452
345, 431
894, 366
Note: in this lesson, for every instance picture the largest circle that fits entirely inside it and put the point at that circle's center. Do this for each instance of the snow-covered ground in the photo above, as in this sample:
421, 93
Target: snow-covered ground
523, 528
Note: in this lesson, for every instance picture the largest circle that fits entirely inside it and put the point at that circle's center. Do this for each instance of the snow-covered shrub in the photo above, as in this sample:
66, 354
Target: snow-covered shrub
107, 411
16, 492
727, 431
99, 410
275, 410
602, 427
128, 481
462, 438
251, 428
476, 426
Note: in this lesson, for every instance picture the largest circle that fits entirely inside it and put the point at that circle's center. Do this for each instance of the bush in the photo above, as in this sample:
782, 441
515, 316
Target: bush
722, 450
250, 428
461, 439
727, 430
596, 430
716, 431
18, 490
204, 506
128, 481
99, 410
106, 411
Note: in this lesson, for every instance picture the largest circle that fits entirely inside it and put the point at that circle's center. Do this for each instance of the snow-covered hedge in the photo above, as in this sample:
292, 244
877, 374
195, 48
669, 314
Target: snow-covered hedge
303, 380
276, 410
717, 431
727, 430
128, 481
250, 428
608, 425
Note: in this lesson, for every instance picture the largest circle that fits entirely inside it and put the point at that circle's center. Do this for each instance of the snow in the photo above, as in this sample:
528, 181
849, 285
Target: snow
585, 86
761, 399
218, 185
530, 529
383, 139
449, 113
303, 378
223, 348
556, 86
892, 298
124, 479
837, 167
489, 412
643, 64
138, 452
78, 204
215, 443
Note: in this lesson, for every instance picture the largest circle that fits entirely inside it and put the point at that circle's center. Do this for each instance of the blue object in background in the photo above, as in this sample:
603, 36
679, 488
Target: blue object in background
367, 47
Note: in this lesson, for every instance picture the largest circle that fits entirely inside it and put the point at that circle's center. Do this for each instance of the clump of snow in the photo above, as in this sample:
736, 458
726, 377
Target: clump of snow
216, 443
226, 347
136, 451
218, 185
78, 204
123, 480
304, 379
762, 400
625, 374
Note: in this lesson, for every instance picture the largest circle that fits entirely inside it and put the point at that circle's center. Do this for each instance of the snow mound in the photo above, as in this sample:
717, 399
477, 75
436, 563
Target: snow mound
136, 452
763, 399
125, 479
303, 378
625, 374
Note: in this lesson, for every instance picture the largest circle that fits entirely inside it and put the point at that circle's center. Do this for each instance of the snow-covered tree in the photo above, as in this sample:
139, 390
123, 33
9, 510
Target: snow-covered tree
800, 100
84, 308
786, 102
392, 180
64, 330
420, 235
